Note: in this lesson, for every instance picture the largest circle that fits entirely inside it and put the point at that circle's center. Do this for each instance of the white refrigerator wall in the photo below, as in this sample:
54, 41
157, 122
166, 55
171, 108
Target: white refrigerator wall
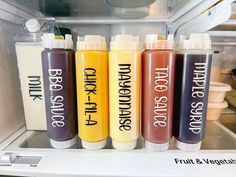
11, 108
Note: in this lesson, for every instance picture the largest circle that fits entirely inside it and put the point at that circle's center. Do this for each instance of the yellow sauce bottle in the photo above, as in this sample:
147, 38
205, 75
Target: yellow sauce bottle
92, 91
124, 91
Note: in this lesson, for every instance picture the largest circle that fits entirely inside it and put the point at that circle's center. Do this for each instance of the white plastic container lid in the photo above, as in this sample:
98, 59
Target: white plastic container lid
219, 87
152, 41
32, 25
129, 3
94, 145
197, 41
91, 42
156, 147
124, 146
131, 13
50, 41
218, 105
63, 144
187, 146
125, 42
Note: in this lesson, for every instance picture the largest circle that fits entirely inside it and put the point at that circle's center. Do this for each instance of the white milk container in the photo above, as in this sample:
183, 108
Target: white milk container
28, 50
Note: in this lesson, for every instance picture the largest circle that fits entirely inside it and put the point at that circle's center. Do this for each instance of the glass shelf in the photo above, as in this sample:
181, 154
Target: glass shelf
217, 138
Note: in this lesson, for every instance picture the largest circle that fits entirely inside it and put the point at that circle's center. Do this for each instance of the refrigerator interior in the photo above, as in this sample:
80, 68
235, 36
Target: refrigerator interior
28, 153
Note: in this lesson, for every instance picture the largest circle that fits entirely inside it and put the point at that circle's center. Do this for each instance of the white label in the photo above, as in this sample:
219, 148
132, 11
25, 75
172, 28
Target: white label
199, 82
160, 102
56, 100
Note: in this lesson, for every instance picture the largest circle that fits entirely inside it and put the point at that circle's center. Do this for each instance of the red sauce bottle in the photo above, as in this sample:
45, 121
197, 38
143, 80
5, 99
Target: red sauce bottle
158, 68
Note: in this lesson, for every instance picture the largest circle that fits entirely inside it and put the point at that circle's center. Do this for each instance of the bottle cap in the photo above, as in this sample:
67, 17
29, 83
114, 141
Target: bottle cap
156, 147
91, 42
63, 144
154, 41
50, 41
188, 146
94, 145
32, 25
68, 42
197, 41
183, 43
125, 42
124, 146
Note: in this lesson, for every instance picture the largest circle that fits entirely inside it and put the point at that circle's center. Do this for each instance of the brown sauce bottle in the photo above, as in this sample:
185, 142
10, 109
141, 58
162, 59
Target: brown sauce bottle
158, 67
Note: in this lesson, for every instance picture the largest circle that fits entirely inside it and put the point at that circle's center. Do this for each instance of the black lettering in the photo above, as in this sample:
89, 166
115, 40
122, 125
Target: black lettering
35, 87
124, 97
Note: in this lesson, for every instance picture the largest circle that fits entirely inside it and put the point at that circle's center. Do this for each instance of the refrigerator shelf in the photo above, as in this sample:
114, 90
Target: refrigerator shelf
216, 158
218, 137
231, 34
108, 20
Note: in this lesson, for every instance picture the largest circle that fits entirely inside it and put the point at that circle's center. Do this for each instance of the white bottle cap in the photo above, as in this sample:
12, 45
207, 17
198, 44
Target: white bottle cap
183, 43
124, 146
187, 146
155, 41
91, 42
32, 25
94, 145
51, 42
125, 42
63, 144
151, 38
68, 42
197, 41
156, 147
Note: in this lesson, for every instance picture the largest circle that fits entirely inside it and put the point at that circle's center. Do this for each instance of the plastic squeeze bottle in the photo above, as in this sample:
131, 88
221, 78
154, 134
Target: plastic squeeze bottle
124, 91
92, 90
193, 68
158, 67
58, 61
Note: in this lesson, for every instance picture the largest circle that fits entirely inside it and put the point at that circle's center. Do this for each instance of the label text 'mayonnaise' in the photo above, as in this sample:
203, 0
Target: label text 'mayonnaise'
124, 86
